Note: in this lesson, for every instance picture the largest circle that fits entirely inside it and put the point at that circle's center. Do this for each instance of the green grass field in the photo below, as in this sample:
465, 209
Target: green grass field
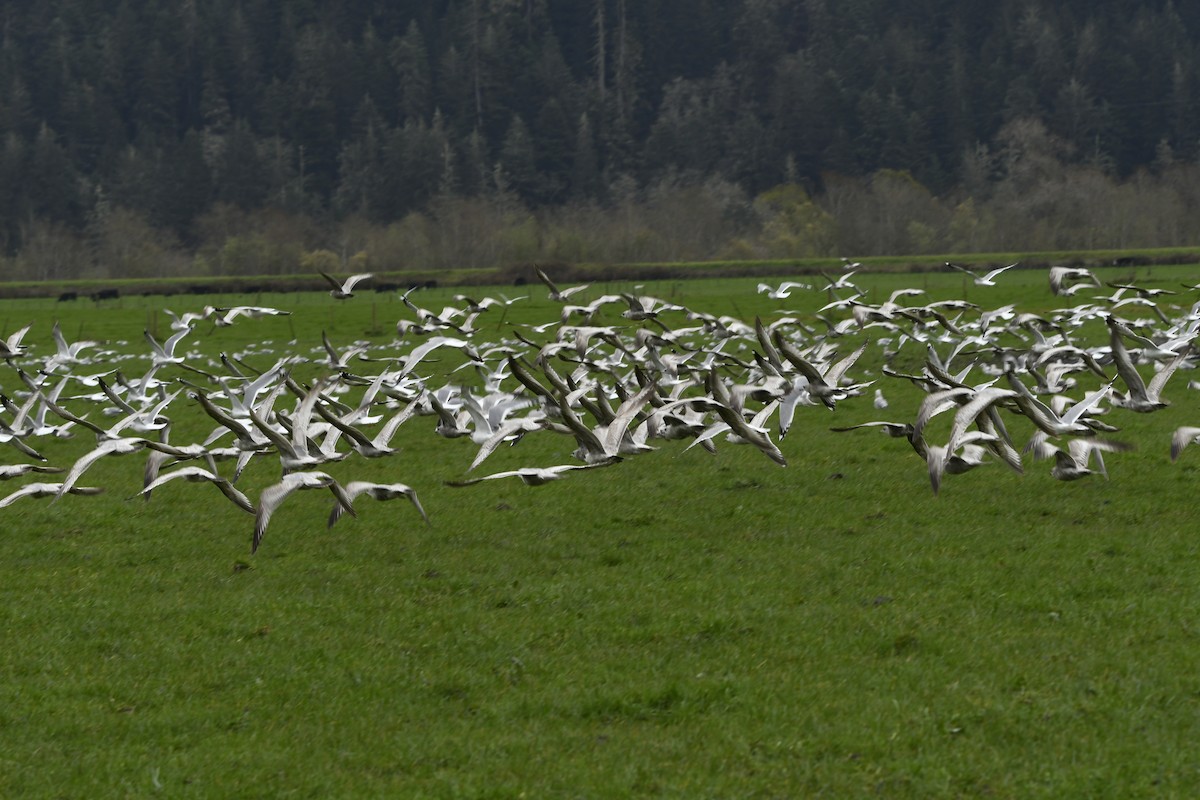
679, 625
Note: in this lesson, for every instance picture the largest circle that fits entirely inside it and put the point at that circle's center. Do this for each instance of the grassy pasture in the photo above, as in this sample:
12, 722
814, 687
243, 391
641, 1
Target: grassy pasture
679, 625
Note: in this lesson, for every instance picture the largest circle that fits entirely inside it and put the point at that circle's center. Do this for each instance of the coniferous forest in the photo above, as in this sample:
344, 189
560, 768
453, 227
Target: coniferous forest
176, 137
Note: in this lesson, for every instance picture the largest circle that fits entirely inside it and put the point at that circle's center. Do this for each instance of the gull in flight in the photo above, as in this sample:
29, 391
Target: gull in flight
46, 490
1182, 437
783, 290
273, 495
987, 279
1073, 464
11, 347
1060, 276
557, 295
201, 475
536, 476
8, 471
68, 354
378, 491
1140, 397
344, 289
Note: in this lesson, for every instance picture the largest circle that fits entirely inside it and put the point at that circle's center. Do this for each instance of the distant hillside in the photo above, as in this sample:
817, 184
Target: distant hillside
160, 113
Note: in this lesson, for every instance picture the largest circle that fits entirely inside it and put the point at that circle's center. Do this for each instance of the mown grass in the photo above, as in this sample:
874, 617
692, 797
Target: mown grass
680, 625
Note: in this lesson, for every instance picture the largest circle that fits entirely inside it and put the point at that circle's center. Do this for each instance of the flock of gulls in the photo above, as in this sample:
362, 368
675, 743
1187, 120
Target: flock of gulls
609, 375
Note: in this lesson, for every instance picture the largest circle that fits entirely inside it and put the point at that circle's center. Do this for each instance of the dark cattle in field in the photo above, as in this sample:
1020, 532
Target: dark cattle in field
431, 284
106, 294
383, 288
67, 297
197, 289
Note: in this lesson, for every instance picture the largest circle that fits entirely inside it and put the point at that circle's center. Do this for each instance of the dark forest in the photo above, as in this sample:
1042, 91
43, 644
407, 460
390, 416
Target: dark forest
254, 136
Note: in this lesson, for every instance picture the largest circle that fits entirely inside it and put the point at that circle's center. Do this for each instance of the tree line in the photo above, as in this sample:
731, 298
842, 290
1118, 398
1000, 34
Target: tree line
237, 136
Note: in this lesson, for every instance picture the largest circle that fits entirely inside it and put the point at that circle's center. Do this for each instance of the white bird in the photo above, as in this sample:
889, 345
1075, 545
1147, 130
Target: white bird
783, 290
11, 347
67, 355
273, 495
378, 491
345, 289
108, 447
535, 476
1140, 397
1183, 436
880, 401
1073, 463
46, 490
987, 279
162, 354
202, 475
294, 452
557, 295
1060, 276
9, 471
228, 315
185, 321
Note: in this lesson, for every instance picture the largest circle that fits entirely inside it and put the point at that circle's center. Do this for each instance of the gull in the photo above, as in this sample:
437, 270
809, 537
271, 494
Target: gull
9, 436
9, 471
30, 421
841, 282
345, 289
365, 446
428, 318
1003, 314
588, 312
275, 494
743, 431
11, 347
486, 303
490, 412
1148, 349
162, 354
880, 401
184, 321
418, 353
378, 491
341, 361
557, 295
987, 279
249, 439
1148, 293
108, 447
46, 490
1060, 275
535, 476
1183, 436
640, 308
1073, 463
971, 412
823, 386
982, 401
243, 398
68, 354
1140, 397
228, 315
1073, 421
201, 475
896, 430
294, 453
783, 290
510, 430
942, 460
613, 439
